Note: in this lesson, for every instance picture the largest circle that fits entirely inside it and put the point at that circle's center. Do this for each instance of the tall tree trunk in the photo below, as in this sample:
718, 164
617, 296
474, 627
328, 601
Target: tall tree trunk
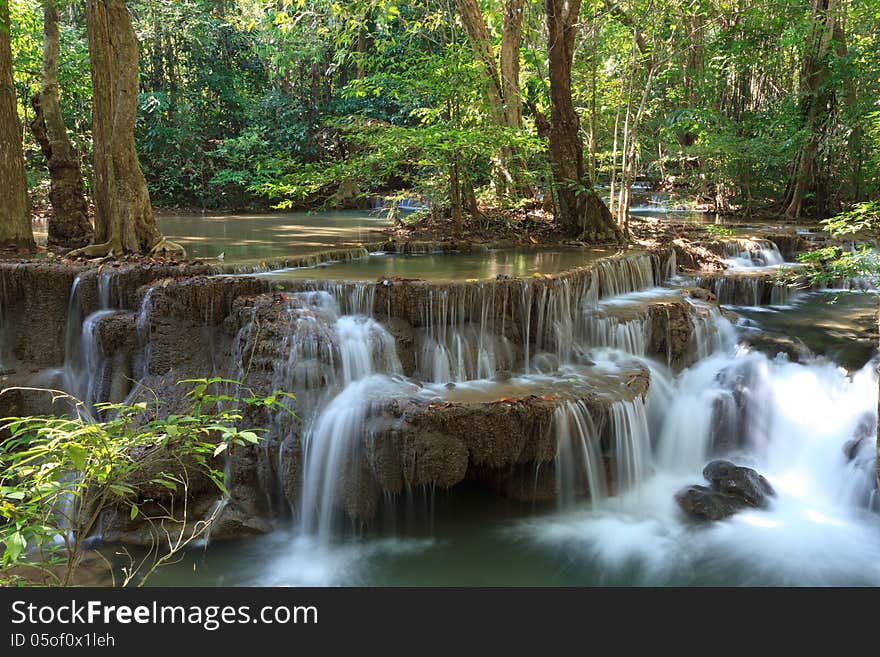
511, 40
69, 225
581, 212
124, 221
500, 89
815, 73
15, 215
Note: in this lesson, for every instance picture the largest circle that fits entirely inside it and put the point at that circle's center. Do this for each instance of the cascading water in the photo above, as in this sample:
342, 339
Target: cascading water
749, 253
632, 443
579, 464
86, 373
367, 359
808, 427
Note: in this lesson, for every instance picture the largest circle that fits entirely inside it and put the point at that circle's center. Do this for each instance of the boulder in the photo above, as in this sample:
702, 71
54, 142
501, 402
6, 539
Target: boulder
733, 488
707, 504
739, 481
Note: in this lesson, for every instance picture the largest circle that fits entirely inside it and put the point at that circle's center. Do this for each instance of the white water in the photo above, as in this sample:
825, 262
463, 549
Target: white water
367, 358
750, 253
578, 457
791, 422
795, 421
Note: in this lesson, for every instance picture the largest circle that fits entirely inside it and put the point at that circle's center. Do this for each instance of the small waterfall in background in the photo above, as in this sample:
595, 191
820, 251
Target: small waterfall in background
86, 373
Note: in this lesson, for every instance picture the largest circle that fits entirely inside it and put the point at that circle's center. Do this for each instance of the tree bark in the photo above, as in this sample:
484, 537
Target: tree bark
124, 221
581, 212
815, 71
69, 225
15, 214
500, 88
511, 41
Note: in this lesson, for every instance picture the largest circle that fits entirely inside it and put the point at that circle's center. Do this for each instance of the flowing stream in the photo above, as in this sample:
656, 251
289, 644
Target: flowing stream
808, 427
620, 456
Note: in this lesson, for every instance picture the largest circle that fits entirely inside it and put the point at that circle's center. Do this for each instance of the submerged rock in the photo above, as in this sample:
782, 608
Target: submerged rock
772, 345
733, 488
708, 504
740, 481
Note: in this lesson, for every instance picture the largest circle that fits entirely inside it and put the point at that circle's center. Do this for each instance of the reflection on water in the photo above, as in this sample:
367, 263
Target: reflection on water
449, 266
270, 235
839, 325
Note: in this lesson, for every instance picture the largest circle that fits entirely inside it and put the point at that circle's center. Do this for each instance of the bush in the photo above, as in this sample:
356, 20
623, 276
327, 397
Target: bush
58, 473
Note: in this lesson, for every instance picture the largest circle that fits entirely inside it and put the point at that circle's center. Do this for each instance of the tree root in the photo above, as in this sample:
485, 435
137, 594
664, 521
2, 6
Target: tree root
163, 247
92, 251
167, 248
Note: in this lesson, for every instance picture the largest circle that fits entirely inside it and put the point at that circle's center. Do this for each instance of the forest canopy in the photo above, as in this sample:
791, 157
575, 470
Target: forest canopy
764, 106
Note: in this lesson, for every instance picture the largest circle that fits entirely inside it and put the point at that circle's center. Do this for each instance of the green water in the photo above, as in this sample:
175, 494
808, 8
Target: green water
450, 266
261, 236
839, 325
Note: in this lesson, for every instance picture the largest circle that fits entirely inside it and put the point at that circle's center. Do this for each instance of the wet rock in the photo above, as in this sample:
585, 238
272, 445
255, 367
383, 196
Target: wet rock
701, 294
772, 345
405, 341
739, 481
235, 522
733, 488
670, 330
545, 363
33, 306
865, 430
706, 503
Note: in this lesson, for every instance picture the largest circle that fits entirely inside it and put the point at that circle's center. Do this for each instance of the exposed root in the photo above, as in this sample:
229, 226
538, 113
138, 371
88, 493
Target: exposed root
169, 249
92, 251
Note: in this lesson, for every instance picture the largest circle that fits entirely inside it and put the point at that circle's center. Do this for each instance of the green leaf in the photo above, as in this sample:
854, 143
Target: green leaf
15, 545
134, 511
77, 456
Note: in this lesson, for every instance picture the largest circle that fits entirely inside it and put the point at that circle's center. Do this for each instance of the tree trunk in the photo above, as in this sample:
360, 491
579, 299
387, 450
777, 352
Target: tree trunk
124, 221
815, 72
501, 91
69, 225
511, 40
581, 212
15, 214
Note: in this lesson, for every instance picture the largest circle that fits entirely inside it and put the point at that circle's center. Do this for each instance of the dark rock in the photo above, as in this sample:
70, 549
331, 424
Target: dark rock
745, 483
707, 504
771, 345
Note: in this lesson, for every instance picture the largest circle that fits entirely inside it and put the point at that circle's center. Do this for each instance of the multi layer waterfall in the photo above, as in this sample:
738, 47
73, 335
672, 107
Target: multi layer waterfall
596, 385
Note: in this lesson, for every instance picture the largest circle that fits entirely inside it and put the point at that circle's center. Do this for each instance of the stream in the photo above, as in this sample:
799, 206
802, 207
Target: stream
808, 427
379, 363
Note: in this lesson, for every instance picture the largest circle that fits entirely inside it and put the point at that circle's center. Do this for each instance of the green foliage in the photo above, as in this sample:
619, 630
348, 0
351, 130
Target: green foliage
58, 473
246, 103
862, 217
831, 266
719, 230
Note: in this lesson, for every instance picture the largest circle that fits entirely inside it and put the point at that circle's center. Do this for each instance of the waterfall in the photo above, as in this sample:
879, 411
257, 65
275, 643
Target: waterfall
632, 443
712, 331
611, 332
332, 442
750, 253
86, 370
747, 289
618, 276
463, 335
579, 464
